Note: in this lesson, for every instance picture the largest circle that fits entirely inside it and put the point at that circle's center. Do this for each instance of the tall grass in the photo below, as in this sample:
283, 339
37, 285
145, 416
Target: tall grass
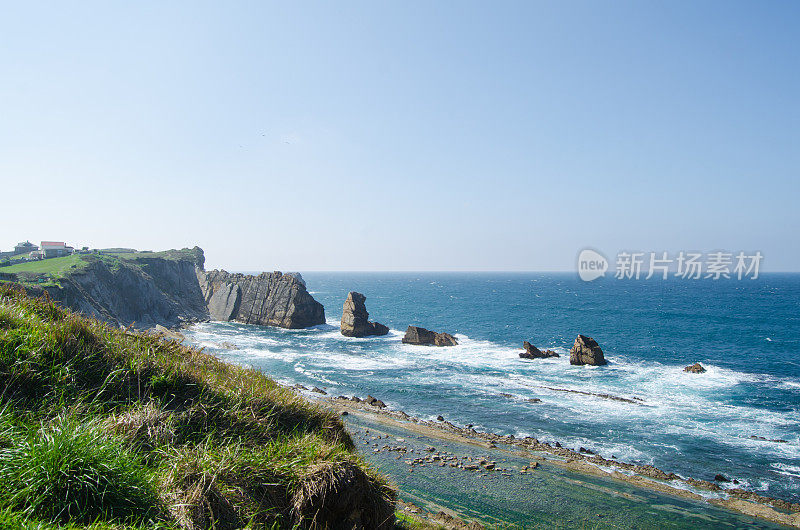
75, 471
105, 428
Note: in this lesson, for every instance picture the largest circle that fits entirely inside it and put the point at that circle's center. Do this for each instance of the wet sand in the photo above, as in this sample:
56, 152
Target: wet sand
507, 483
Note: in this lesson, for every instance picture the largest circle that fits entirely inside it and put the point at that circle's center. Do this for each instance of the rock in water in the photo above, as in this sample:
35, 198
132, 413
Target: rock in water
586, 351
424, 337
269, 299
532, 352
444, 339
695, 368
419, 336
355, 318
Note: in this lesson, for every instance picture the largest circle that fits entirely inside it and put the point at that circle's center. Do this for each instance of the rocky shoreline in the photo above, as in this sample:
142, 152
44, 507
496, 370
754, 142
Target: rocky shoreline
582, 460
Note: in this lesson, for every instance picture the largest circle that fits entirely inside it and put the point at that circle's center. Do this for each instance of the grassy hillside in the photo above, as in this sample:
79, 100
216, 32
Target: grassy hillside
102, 428
52, 270
55, 267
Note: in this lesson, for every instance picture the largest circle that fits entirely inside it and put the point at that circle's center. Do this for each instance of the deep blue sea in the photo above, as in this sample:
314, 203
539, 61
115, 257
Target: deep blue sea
745, 332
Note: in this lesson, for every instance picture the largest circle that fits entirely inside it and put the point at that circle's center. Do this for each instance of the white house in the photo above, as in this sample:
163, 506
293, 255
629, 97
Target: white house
54, 249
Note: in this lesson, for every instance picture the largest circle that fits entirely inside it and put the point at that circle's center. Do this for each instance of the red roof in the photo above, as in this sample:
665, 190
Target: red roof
53, 244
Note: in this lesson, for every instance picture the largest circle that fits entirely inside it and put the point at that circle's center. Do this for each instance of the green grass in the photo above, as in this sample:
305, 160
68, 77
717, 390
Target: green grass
50, 272
75, 471
103, 427
15, 256
189, 254
53, 267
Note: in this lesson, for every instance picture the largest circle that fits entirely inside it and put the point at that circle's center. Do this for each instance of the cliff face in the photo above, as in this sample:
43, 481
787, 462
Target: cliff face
270, 299
171, 288
142, 291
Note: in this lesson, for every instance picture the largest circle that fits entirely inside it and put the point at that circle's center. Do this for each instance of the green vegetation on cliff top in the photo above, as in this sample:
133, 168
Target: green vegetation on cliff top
103, 428
54, 269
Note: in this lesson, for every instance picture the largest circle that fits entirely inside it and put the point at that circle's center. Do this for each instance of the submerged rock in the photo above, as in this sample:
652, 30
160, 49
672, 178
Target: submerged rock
586, 351
425, 337
532, 352
695, 368
355, 318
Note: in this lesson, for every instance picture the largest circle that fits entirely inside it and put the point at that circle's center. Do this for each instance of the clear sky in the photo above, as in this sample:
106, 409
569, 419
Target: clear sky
402, 136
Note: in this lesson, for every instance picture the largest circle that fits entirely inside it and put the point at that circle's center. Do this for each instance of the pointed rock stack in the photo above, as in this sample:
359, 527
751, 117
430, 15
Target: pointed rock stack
355, 318
586, 351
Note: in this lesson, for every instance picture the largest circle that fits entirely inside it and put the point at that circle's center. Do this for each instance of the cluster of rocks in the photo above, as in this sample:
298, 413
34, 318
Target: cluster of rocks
430, 456
424, 337
355, 323
355, 318
585, 350
369, 400
569, 455
438, 520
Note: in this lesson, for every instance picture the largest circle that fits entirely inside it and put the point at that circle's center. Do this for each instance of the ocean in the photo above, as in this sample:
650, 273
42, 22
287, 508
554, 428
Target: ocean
740, 419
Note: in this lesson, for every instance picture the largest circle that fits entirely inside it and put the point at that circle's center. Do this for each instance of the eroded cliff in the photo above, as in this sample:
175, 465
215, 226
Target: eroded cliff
269, 299
141, 291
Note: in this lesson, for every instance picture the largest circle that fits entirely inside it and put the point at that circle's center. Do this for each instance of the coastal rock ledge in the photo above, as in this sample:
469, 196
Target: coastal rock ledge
355, 318
424, 337
586, 351
532, 352
269, 299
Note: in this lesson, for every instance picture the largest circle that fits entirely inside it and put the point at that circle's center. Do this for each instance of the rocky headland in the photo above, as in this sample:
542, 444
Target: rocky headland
171, 289
139, 291
269, 299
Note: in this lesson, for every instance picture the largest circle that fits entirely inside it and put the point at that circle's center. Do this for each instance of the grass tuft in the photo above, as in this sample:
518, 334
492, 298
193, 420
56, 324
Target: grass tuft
75, 471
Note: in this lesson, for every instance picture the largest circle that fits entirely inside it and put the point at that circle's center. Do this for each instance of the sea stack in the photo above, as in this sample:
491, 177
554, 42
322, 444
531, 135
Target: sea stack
424, 337
532, 352
695, 368
269, 299
355, 318
586, 351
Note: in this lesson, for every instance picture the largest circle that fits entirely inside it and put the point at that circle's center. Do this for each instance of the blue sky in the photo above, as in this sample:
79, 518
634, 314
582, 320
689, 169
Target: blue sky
402, 136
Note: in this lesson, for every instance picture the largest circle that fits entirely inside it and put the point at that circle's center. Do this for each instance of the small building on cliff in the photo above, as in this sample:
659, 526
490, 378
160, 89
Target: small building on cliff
55, 249
25, 248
